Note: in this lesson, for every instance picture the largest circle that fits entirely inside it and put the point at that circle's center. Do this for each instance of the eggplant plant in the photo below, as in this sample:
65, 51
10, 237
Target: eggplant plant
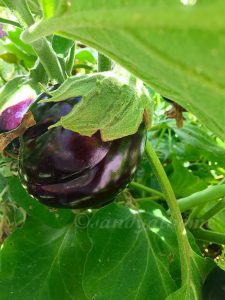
112, 150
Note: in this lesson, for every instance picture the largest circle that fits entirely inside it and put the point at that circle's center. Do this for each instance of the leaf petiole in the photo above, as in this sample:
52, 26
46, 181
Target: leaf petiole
183, 243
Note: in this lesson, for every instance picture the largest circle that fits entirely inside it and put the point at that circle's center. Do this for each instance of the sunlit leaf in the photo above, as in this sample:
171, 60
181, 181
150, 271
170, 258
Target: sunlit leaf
167, 44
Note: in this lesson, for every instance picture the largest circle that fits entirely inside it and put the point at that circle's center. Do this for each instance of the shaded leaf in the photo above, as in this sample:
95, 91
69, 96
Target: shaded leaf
201, 143
217, 222
183, 181
61, 45
44, 262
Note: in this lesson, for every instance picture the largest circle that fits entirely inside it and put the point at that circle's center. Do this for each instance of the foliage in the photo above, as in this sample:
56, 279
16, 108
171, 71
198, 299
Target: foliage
130, 249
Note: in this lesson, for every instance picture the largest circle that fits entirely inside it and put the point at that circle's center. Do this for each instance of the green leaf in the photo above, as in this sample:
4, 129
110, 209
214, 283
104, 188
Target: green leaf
43, 263
184, 182
50, 217
217, 222
9, 58
14, 36
86, 56
200, 268
10, 88
133, 254
110, 103
201, 143
48, 8
53, 7
145, 36
61, 45
27, 60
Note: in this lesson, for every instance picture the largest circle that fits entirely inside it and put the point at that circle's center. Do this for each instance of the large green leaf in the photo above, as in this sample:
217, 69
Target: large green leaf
135, 256
178, 50
132, 253
42, 263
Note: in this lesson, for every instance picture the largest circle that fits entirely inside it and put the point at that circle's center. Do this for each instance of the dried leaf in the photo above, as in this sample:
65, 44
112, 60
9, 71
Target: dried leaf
7, 137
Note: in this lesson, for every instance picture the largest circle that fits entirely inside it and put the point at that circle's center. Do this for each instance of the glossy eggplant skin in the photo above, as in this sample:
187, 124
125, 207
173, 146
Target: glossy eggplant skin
214, 286
63, 169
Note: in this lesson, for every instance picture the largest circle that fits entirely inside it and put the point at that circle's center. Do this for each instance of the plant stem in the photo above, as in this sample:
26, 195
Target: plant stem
209, 236
160, 137
208, 195
21, 9
42, 47
183, 244
152, 198
104, 63
10, 22
147, 189
49, 59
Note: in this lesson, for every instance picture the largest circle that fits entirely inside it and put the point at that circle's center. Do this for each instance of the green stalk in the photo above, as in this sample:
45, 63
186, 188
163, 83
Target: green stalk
184, 247
147, 189
21, 9
104, 63
209, 236
208, 195
42, 47
152, 198
10, 22
49, 59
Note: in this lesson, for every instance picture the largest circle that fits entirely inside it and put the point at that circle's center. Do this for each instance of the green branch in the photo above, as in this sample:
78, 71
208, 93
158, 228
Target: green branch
152, 198
147, 189
49, 59
209, 236
184, 247
42, 47
10, 22
208, 195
